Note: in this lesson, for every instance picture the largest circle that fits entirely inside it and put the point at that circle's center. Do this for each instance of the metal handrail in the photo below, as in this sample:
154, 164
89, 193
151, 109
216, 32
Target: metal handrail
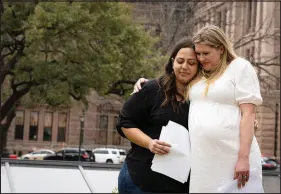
63, 164
87, 165
10, 179
86, 178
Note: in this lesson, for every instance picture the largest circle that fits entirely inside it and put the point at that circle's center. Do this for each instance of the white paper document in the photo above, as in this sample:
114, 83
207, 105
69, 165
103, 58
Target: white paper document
175, 164
254, 185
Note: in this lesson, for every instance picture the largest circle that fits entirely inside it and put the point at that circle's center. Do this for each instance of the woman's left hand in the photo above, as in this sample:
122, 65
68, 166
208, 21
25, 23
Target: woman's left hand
242, 171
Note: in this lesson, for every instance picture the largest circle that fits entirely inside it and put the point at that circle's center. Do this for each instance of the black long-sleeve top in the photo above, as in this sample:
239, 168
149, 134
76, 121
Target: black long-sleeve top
142, 110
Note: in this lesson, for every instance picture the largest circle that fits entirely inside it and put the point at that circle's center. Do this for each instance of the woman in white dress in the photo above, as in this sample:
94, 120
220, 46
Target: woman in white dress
222, 113
223, 100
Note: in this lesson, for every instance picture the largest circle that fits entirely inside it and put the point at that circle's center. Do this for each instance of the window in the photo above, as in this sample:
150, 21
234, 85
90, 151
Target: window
103, 111
102, 116
61, 127
250, 54
47, 134
122, 153
221, 19
71, 151
19, 125
224, 20
115, 121
33, 129
59, 153
202, 21
104, 151
114, 152
103, 122
46, 152
250, 13
101, 137
101, 151
116, 138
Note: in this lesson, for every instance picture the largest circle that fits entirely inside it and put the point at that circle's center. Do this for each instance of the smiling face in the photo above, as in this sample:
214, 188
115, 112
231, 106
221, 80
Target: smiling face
208, 56
185, 66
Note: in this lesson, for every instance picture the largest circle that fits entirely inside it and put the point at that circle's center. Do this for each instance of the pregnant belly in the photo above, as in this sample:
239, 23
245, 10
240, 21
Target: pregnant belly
214, 130
214, 121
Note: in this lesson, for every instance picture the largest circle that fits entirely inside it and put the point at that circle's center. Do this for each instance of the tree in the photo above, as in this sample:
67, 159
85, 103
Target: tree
171, 20
52, 53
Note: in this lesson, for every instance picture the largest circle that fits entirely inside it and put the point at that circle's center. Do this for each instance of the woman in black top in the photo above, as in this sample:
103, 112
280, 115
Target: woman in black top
146, 112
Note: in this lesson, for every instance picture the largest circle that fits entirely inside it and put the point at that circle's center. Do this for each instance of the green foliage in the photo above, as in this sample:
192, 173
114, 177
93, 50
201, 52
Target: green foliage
72, 48
115, 190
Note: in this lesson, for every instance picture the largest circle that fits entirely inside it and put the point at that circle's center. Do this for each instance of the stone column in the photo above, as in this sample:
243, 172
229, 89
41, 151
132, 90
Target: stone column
55, 127
40, 129
26, 125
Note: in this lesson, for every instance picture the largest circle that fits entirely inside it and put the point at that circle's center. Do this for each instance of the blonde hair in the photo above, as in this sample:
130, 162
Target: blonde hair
214, 37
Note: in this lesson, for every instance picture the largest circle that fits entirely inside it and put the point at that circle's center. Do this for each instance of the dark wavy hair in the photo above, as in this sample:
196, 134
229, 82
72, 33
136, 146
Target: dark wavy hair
167, 81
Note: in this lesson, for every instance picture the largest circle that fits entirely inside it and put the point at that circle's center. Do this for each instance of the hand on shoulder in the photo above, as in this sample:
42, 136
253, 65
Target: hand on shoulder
137, 86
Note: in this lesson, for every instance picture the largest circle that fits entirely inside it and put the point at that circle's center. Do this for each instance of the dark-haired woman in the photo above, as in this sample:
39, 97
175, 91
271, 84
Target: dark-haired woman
146, 112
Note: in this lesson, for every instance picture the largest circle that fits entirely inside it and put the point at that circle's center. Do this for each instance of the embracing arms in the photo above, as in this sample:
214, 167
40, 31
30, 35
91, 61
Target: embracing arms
134, 112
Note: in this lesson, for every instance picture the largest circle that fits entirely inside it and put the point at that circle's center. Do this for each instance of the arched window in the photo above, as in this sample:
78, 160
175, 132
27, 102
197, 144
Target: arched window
102, 120
103, 112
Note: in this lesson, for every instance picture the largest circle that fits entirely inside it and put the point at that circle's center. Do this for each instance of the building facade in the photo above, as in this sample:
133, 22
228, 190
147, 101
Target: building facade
254, 28
56, 128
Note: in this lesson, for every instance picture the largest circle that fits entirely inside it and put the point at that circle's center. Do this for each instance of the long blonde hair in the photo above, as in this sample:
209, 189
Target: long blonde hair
214, 37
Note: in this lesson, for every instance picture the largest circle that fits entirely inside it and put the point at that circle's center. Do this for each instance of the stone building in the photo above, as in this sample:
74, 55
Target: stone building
254, 28
56, 128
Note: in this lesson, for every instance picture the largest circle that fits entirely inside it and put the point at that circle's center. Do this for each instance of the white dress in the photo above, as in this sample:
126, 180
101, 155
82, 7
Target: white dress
214, 123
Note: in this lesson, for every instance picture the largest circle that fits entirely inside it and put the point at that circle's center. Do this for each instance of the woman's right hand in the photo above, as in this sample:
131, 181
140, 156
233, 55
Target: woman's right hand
159, 147
137, 86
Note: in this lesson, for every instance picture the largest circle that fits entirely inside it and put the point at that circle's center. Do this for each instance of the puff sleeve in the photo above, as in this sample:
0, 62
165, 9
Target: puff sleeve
247, 87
